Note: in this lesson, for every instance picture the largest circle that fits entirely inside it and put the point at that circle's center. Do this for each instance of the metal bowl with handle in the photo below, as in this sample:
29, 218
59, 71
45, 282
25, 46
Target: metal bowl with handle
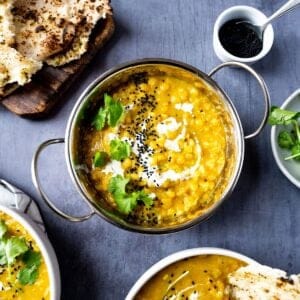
106, 81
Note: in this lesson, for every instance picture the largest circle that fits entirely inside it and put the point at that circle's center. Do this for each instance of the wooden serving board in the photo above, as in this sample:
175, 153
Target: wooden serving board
37, 98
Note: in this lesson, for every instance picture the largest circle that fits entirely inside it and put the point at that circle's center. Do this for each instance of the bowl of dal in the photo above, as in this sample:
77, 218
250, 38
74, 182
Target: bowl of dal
28, 265
190, 274
153, 146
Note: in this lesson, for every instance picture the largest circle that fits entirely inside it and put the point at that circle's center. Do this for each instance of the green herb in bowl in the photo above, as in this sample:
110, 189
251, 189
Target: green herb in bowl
289, 138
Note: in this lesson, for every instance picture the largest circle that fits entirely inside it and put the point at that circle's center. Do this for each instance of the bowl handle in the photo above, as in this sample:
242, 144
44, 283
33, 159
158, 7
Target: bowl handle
262, 85
37, 183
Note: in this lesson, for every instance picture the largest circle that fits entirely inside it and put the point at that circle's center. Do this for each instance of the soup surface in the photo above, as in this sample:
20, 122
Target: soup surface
199, 277
25, 277
180, 150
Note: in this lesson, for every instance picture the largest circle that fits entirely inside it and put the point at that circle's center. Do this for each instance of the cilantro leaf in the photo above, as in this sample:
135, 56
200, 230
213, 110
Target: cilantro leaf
117, 185
100, 159
28, 275
31, 258
285, 140
3, 259
126, 202
32, 261
296, 151
3, 228
115, 110
119, 149
110, 113
280, 116
15, 246
99, 120
143, 197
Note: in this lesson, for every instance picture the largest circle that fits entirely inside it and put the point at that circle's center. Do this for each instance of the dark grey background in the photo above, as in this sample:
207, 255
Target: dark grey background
262, 217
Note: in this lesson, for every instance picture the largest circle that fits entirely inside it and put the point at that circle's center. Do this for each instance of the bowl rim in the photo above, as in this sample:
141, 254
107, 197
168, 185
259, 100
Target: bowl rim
239, 133
177, 256
276, 155
45, 247
218, 47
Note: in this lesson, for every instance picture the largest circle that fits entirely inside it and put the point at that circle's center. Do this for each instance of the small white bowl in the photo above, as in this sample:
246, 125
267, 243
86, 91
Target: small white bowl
180, 256
45, 247
248, 13
290, 168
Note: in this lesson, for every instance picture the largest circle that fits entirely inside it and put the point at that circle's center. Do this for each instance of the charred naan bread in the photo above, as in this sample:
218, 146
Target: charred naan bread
36, 31
263, 283
7, 35
56, 31
42, 27
15, 69
85, 14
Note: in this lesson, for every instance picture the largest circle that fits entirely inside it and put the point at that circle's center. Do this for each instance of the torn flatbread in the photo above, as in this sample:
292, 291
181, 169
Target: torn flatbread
36, 31
15, 68
7, 34
42, 27
262, 282
85, 14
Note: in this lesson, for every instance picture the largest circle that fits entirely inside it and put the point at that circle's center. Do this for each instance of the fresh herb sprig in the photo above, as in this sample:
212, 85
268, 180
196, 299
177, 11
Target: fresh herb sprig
100, 159
118, 150
32, 261
126, 201
287, 139
110, 114
14, 248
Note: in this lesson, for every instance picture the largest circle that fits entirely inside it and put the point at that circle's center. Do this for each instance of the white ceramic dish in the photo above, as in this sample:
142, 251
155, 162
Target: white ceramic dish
290, 168
248, 13
179, 256
45, 247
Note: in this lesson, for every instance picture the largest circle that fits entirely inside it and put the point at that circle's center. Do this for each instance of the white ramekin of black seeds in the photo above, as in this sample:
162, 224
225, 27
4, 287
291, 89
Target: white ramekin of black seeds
233, 40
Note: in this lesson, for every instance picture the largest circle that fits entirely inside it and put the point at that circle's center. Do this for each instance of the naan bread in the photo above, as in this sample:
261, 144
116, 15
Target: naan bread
262, 283
42, 27
37, 31
56, 31
85, 14
15, 69
7, 35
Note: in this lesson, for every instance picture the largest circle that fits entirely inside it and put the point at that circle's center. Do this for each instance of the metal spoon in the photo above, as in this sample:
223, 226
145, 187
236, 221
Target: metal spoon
260, 28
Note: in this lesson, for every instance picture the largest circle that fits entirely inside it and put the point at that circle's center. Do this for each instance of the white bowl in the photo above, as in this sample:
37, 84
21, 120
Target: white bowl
248, 13
179, 256
290, 168
45, 247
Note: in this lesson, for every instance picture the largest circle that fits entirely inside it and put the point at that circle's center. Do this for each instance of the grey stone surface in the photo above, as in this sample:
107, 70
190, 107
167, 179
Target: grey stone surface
262, 217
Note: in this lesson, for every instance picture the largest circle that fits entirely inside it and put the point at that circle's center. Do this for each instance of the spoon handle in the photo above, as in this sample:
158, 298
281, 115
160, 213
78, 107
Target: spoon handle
282, 10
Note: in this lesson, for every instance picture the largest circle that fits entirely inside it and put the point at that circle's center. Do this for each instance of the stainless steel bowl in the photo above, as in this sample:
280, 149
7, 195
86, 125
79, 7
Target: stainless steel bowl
107, 81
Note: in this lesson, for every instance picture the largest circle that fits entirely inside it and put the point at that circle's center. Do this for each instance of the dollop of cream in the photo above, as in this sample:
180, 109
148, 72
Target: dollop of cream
169, 124
173, 145
150, 172
114, 167
187, 107
157, 179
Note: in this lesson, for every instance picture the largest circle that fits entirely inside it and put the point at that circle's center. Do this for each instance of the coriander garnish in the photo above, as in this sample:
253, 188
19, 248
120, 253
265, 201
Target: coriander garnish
100, 159
110, 114
287, 139
14, 248
126, 202
119, 150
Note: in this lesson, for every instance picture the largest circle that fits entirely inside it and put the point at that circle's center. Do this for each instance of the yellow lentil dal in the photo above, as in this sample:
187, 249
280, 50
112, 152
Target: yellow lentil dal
199, 277
183, 147
12, 289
